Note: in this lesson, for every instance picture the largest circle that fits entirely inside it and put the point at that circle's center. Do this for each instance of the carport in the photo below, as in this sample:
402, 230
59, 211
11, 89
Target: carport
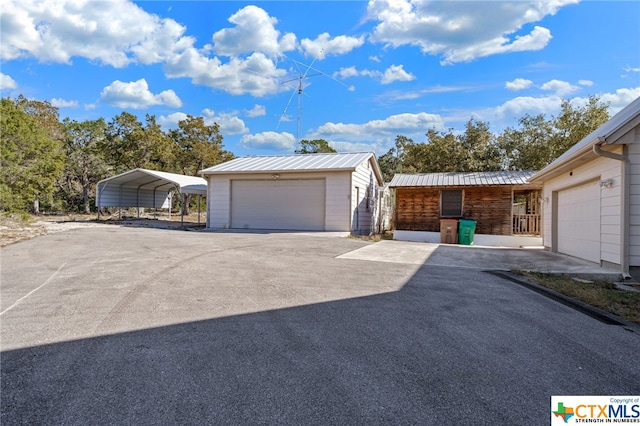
148, 189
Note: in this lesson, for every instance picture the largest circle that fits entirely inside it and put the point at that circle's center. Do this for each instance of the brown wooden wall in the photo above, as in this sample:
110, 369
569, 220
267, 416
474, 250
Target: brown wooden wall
418, 209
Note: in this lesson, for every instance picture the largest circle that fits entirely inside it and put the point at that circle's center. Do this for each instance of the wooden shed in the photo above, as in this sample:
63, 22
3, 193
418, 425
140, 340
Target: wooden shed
505, 206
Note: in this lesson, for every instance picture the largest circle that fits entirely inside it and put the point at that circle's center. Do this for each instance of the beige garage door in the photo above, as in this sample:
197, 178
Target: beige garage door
579, 221
278, 204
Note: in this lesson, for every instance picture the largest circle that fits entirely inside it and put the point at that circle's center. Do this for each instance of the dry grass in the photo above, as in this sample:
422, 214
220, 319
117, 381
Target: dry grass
601, 294
23, 226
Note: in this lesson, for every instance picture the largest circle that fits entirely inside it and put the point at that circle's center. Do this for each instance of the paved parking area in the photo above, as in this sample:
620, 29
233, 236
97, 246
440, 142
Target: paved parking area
143, 326
474, 257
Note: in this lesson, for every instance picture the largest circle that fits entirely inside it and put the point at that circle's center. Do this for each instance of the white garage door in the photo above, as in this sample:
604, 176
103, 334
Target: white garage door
579, 221
278, 204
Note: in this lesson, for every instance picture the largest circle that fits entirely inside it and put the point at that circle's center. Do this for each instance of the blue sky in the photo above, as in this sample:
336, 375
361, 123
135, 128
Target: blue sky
369, 70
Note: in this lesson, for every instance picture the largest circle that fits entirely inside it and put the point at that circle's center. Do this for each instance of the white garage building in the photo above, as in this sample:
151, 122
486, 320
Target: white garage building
310, 192
591, 195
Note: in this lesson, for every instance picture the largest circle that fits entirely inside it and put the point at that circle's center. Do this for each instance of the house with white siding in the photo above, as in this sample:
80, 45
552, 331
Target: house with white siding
591, 195
309, 192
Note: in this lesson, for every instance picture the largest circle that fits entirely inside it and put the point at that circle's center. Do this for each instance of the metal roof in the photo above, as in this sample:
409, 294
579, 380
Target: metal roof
461, 179
152, 179
294, 163
626, 119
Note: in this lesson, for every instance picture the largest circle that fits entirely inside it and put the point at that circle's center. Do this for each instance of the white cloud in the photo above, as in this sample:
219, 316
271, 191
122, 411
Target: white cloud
341, 146
62, 103
561, 88
352, 71
229, 124
396, 73
171, 121
256, 75
324, 45
462, 31
254, 31
6, 82
631, 69
346, 72
119, 33
256, 111
391, 125
115, 33
136, 95
391, 74
518, 84
374, 58
270, 141
620, 99
376, 135
587, 83
516, 108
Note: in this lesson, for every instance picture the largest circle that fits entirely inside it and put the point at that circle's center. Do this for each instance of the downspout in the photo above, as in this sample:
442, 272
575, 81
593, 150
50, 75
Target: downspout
625, 208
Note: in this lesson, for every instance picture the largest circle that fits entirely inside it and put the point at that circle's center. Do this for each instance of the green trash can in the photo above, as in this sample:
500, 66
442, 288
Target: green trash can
466, 229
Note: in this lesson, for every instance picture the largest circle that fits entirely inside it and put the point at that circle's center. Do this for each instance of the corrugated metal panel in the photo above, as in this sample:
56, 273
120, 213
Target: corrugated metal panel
150, 179
461, 179
136, 188
290, 163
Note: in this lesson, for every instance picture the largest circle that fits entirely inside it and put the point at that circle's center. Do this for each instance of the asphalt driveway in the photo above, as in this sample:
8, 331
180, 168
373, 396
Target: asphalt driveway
143, 326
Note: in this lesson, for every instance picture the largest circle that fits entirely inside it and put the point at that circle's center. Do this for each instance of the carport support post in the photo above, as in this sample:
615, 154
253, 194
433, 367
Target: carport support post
182, 213
199, 198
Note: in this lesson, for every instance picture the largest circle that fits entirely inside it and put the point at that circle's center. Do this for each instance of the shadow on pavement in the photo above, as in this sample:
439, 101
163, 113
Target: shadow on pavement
435, 352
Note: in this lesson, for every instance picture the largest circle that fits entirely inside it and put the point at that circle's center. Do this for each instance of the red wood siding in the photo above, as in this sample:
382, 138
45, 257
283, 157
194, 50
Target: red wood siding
418, 209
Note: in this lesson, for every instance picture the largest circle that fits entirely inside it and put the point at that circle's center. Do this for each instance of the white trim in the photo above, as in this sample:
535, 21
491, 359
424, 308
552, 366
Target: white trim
478, 239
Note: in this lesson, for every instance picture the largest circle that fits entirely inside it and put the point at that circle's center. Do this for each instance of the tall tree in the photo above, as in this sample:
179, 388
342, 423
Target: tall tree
479, 148
85, 164
45, 114
314, 146
32, 160
125, 146
198, 146
162, 149
527, 147
393, 161
538, 140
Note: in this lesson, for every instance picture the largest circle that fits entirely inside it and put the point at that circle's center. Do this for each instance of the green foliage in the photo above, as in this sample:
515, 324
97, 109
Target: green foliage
59, 164
314, 146
32, 159
535, 143
85, 165
197, 146
538, 140
393, 161
474, 150
125, 146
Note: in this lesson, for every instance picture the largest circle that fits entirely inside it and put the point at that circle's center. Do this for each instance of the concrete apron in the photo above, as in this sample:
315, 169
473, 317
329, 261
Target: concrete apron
482, 258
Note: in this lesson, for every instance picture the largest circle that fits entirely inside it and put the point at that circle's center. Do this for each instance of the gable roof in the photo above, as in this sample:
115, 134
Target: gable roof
608, 133
296, 163
461, 179
152, 179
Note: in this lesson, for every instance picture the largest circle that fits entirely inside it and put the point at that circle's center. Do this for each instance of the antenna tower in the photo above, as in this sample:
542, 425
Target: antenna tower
299, 90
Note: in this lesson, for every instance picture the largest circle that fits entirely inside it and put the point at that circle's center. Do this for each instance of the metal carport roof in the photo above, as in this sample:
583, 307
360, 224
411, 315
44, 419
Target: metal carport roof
146, 188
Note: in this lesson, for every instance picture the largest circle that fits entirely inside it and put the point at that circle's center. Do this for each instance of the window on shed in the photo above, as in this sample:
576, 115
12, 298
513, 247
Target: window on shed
451, 203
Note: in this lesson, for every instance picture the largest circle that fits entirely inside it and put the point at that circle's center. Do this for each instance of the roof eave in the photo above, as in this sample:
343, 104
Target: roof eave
562, 165
251, 172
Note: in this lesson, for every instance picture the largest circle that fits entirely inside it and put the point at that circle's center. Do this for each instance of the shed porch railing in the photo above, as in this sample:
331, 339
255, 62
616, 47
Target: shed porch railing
526, 224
